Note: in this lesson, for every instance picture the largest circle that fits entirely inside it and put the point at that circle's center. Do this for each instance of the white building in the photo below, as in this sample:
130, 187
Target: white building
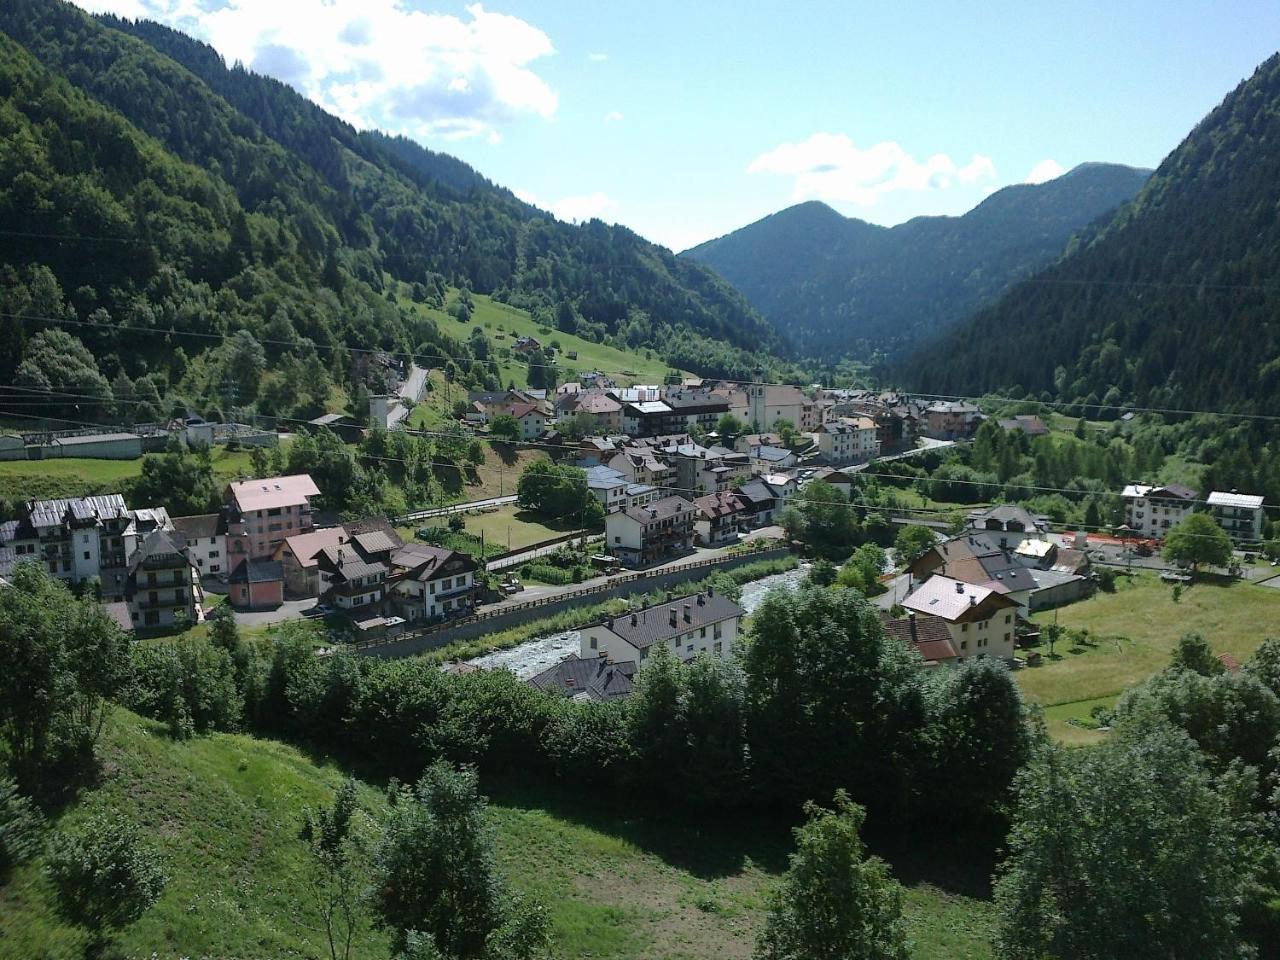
429, 583
847, 441
205, 536
1241, 515
80, 538
687, 626
1151, 511
660, 531
980, 620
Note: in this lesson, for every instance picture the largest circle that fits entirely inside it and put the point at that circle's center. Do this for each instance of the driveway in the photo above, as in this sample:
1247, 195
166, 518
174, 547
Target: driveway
289, 610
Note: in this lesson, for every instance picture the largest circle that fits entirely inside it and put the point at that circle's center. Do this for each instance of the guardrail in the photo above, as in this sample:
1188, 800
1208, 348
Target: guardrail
453, 508
607, 586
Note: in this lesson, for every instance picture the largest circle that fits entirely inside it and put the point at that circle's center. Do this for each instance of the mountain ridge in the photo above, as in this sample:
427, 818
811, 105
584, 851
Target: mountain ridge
1171, 303
840, 284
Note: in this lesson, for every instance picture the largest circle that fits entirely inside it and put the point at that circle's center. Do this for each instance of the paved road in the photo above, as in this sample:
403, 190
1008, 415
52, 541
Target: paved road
517, 559
453, 508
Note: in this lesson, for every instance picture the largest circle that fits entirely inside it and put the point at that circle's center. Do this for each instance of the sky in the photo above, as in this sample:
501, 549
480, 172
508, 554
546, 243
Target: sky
685, 121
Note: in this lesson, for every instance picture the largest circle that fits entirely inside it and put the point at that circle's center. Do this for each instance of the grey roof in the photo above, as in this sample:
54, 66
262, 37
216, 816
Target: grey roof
351, 565
660, 509
772, 454
258, 571
756, 491
95, 438
604, 478
643, 628
426, 562
158, 550
197, 527
327, 419
375, 541
50, 513
597, 679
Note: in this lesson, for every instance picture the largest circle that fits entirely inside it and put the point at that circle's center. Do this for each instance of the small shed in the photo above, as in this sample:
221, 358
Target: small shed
257, 584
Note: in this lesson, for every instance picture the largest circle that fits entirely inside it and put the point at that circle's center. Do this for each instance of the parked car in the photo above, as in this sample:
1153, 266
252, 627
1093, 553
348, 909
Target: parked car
319, 610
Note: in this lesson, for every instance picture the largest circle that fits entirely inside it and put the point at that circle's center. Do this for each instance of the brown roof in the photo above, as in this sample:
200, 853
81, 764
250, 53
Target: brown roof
929, 635
719, 505
306, 547
197, 527
659, 509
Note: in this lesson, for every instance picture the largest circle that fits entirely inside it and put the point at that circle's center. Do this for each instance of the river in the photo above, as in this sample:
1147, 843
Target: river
530, 658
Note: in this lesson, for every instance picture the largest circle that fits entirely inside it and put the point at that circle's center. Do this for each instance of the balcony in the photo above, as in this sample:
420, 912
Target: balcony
162, 602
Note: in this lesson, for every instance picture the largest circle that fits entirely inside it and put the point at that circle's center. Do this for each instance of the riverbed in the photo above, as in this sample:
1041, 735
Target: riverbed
530, 658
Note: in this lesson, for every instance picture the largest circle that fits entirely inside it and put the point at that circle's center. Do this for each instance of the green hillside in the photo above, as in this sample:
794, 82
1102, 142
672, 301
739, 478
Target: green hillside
1174, 303
224, 810
155, 203
838, 285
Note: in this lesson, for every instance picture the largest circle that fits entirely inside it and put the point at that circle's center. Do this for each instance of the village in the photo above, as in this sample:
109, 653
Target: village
687, 478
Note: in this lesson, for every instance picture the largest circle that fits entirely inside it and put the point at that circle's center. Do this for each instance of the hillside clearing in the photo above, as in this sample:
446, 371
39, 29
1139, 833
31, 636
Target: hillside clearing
224, 809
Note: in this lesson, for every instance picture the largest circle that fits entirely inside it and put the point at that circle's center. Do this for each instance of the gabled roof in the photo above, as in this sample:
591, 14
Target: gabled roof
929, 635
955, 600
715, 505
346, 564
200, 526
274, 492
644, 628
604, 478
1170, 491
306, 547
159, 549
658, 510
597, 679
422, 561
257, 571
78, 510
375, 541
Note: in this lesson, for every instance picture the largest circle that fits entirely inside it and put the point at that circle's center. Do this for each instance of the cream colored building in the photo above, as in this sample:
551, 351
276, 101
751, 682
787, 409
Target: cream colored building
703, 623
981, 620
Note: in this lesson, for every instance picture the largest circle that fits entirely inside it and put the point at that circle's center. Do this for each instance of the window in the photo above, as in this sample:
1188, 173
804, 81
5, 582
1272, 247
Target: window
644, 654
718, 648
964, 628
1008, 618
86, 554
594, 643
964, 644
703, 633
1006, 638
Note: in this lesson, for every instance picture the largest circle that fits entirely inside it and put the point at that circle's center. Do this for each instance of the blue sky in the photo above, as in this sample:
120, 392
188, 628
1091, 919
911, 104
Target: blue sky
687, 120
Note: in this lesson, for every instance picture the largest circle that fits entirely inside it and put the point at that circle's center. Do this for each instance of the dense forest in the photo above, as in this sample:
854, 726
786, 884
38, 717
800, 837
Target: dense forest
1172, 304
177, 231
840, 285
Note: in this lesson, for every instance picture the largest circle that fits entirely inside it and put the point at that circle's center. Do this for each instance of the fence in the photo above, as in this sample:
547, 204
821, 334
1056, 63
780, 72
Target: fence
498, 618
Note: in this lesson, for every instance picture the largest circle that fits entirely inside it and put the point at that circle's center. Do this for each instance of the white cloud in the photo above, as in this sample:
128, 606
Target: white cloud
829, 166
597, 57
377, 63
613, 116
1045, 170
575, 208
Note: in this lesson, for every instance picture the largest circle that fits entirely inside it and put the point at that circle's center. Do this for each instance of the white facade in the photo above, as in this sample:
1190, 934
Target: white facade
1152, 511
685, 638
1241, 515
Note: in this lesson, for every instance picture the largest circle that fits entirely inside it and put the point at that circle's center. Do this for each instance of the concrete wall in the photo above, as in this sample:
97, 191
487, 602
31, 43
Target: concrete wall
503, 619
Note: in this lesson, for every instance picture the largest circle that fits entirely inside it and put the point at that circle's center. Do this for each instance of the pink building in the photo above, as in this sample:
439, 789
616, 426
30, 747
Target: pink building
266, 513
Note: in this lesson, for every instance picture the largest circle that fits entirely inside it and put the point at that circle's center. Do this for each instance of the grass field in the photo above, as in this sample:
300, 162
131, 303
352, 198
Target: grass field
1134, 631
499, 319
224, 810
74, 477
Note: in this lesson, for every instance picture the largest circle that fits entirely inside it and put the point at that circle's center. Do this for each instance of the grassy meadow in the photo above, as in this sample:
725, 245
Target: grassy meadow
1132, 634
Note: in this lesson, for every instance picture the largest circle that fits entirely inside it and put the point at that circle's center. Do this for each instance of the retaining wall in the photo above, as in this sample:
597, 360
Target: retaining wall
493, 621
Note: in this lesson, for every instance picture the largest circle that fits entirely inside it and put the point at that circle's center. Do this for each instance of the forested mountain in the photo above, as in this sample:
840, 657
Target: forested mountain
151, 198
835, 284
1174, 303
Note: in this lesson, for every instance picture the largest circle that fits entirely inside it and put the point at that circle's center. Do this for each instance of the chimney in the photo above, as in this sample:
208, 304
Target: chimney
634, 619
673, 616
973, 601
959, 587
711, 591
702, 601
911, 623
688, 613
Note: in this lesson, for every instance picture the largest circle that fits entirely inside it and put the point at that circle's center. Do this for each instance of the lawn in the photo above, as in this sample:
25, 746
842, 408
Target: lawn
515, 528
224, 810
76, 477
500, 320
1133, 632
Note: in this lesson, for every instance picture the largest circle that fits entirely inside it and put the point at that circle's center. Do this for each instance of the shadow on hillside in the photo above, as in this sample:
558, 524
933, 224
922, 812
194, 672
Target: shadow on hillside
712, 846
